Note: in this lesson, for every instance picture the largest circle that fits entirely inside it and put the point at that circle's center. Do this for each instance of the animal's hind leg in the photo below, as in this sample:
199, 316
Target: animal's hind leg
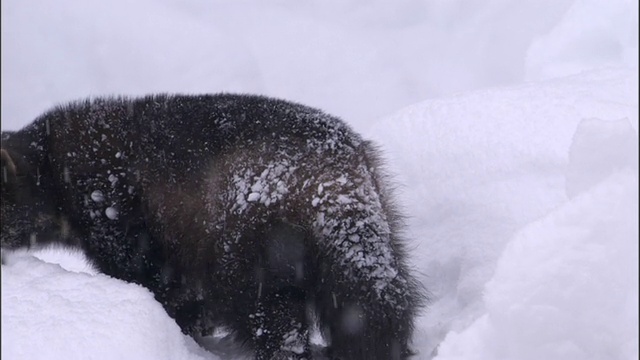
366, 298
279, 326
360, 326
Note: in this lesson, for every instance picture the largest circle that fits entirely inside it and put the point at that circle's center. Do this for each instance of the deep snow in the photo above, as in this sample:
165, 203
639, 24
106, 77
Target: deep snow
491, 162
522, 196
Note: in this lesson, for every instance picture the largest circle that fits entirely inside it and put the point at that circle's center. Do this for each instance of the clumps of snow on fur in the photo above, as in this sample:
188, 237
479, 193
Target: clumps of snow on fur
111, 212
295, 340
266, 188
351, 220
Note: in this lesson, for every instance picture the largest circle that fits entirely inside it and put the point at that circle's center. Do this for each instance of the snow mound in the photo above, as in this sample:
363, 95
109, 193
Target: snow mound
588, 36
51, 313
566, 287
600, 148
476, 168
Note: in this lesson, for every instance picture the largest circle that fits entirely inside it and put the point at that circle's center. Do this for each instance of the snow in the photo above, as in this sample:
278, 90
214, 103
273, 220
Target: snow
266, 188
511, 127
566, 286
49, 313
491, 162
111, 212
97, 196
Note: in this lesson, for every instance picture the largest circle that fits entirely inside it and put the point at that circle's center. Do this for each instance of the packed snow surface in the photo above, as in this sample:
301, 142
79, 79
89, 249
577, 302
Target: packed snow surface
511, 127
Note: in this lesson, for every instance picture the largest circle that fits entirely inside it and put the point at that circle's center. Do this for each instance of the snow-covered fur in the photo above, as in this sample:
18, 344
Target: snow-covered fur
237, 211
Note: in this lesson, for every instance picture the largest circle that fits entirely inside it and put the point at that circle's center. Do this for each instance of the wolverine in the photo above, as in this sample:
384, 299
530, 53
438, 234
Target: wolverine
256, 215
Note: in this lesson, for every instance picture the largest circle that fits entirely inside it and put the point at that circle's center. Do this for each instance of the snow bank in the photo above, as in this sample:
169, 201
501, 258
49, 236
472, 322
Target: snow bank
588, 36
51, 313
566, 287
477, 167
